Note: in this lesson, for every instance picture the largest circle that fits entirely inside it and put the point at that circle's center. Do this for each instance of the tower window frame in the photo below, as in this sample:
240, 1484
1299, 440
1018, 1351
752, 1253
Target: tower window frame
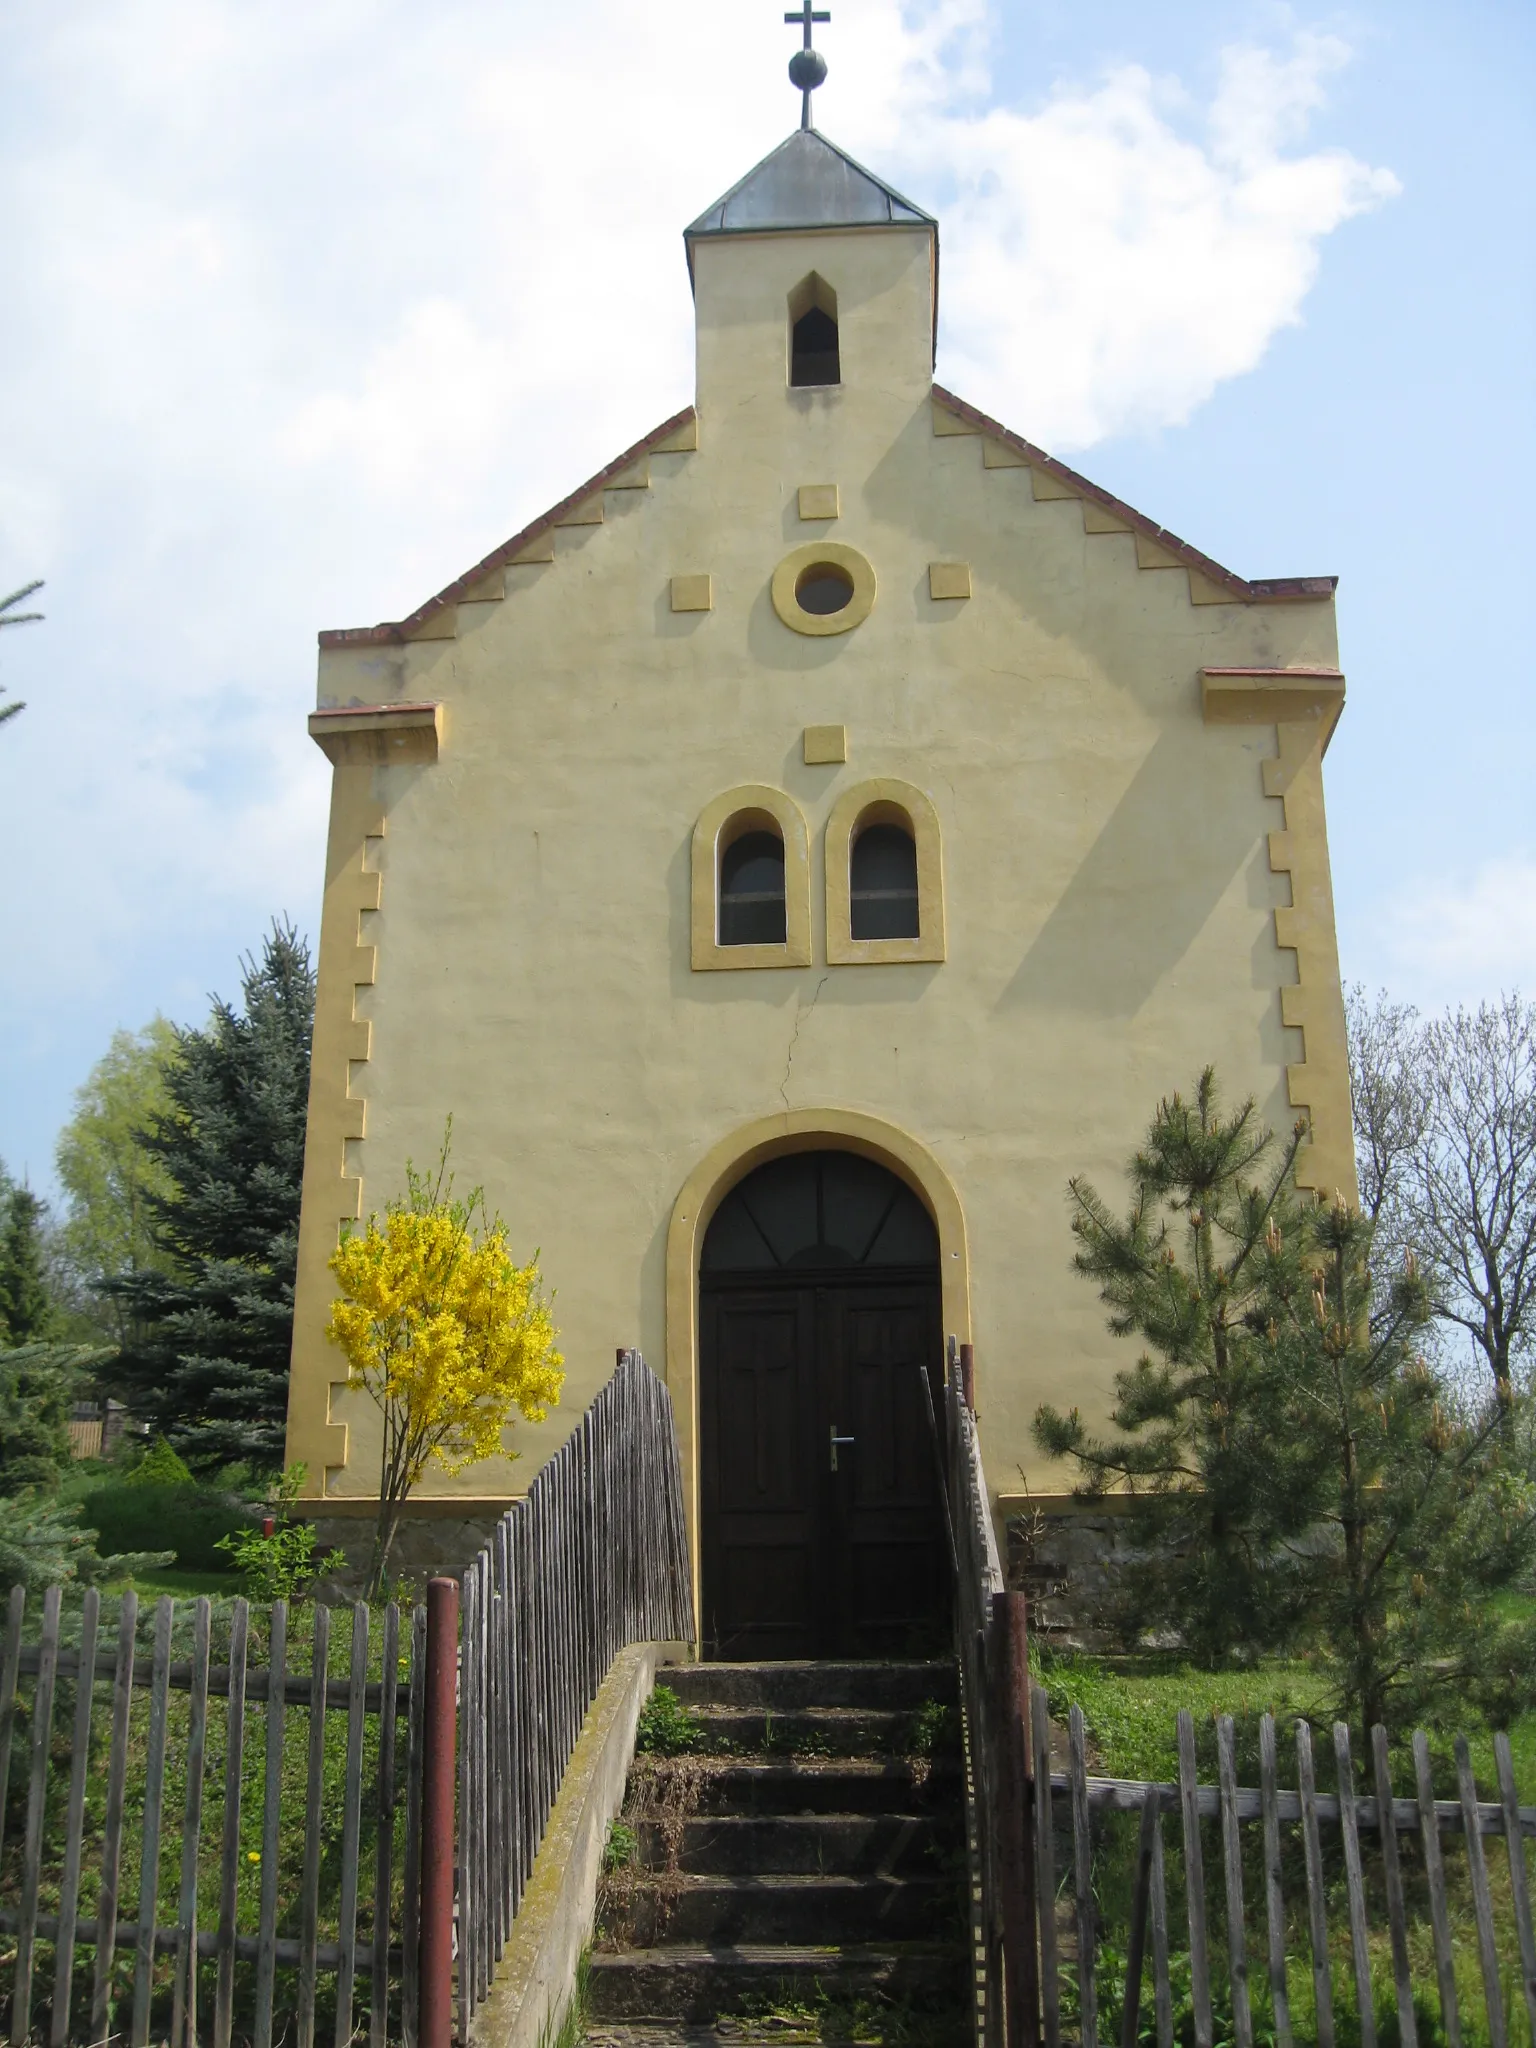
815, 360
729, 818
884, 801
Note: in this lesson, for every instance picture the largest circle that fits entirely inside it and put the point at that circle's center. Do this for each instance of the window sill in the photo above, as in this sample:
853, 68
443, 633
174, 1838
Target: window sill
707, 956
880, 952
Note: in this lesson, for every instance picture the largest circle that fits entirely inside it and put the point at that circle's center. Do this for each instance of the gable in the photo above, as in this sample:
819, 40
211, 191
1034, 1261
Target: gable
1210, 583
1156, 547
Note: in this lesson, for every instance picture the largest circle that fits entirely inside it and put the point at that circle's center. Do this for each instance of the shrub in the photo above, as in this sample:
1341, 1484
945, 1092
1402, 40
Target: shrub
129, 1514
282, 1566
160, 1466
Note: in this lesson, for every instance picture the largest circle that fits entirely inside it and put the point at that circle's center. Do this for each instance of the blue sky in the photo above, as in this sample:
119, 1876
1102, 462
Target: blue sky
308, 307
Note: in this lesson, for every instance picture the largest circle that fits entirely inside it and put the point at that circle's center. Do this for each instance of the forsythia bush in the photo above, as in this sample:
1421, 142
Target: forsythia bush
445, 1332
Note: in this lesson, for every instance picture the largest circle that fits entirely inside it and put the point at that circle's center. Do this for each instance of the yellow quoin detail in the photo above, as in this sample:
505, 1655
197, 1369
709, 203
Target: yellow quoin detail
1301, 705
817, 501
749, 808
337, 1123
884, 801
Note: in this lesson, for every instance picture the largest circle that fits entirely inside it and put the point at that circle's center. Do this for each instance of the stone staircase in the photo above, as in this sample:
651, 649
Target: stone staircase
799, 1872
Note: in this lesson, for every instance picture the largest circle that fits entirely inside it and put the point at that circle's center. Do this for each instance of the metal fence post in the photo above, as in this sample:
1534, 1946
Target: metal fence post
1010, 1722
968, 1375
439, 1779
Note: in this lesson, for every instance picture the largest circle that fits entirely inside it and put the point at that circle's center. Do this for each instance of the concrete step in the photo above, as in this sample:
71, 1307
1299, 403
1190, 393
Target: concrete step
755, 1910
811, 1684
806, 2025
846, 1785
697, 1984
835, 1845
809, 1731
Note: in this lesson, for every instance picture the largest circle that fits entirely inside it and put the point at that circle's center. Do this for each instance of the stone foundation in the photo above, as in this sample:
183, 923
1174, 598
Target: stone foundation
425, 1545
1068, 1559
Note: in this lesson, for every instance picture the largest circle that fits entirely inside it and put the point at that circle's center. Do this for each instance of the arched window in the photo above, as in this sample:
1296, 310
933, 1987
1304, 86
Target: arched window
752, 891
750, 888
882, 884
885, 876
813, 349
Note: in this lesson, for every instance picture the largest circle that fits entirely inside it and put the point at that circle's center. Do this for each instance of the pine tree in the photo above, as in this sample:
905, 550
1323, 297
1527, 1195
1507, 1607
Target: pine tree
26, 1312
206, 1359
1425, 1511
1218, 1488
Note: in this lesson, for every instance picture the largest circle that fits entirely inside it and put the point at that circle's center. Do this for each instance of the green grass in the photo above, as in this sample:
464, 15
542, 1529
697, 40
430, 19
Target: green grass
294, 1780
180, 1585
1131, 1707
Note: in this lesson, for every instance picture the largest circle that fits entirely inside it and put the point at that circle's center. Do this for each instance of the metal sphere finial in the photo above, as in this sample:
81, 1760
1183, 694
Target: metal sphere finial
807, 68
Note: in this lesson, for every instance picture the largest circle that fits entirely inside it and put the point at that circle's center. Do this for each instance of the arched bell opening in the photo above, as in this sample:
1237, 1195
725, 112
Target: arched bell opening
814, 353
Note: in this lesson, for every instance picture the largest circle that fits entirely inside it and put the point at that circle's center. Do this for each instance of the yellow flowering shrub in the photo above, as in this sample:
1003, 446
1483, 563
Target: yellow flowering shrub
446, 1333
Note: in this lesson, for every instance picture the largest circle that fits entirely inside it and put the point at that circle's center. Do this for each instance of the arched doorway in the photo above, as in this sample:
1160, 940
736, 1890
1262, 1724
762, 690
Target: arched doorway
820, 1518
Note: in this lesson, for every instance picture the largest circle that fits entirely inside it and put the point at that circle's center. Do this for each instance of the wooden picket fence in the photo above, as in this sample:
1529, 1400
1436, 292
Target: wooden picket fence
287, 1849
1333, 1833
1303, 1867
595, 1557
124, 1791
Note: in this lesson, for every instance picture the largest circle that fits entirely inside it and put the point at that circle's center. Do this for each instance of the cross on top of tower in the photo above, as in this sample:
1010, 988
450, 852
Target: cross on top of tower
807, 67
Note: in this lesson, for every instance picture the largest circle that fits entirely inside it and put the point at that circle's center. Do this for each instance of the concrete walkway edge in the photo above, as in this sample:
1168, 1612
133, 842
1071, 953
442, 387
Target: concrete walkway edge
536, 1978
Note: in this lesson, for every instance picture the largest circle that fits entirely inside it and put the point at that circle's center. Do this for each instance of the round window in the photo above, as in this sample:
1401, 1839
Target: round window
822, 589
826, 587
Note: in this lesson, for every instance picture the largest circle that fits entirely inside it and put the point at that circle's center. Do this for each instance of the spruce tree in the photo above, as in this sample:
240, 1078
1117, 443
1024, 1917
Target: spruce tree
206, 1358
26, 1311
1219, 1487
39, 1385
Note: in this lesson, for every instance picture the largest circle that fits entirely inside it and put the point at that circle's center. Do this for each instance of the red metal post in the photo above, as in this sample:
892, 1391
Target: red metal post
1021, 1962
968, 1375
439, 1779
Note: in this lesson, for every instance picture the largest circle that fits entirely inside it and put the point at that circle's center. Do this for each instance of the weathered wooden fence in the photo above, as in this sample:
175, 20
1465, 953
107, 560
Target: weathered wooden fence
1308, 1862
269, 1855
273, 1858
1072, 1898
595, 1557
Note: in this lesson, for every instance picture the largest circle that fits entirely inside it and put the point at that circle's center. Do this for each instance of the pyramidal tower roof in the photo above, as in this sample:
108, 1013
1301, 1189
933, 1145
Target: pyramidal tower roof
807, 182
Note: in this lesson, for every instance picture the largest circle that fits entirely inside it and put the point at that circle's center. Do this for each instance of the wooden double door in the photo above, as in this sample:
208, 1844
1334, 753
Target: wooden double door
823, 1529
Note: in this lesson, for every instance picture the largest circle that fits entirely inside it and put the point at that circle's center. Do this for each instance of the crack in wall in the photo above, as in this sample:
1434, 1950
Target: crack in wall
802, 1011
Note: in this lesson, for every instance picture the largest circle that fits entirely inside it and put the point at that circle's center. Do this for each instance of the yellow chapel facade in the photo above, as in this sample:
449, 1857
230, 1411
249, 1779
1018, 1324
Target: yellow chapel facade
789, 860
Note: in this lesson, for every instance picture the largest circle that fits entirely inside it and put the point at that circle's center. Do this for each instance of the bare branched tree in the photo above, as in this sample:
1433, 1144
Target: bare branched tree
1391, 1106
9, 616
1470, 1199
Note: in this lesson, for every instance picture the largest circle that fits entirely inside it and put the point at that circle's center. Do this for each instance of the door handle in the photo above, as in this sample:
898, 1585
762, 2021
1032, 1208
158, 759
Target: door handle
833, 1440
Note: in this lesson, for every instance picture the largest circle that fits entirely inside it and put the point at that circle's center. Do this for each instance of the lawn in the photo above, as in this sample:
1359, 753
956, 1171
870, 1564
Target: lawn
1130, 1708
295, 1781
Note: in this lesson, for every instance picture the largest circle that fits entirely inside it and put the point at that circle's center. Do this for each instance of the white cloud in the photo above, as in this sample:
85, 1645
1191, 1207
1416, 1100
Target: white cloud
1464, 939
1107, 268
307, 307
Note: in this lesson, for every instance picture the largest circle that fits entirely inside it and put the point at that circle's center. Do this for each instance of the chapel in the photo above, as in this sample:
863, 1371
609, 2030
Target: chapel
790, 859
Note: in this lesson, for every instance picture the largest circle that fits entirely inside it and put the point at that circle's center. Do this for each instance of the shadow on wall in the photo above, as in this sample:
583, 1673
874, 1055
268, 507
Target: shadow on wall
1145, 889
